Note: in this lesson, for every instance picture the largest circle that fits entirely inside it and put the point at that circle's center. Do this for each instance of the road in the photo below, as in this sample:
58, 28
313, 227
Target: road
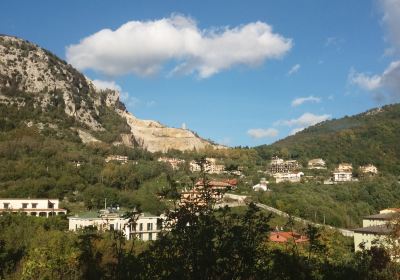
240, 200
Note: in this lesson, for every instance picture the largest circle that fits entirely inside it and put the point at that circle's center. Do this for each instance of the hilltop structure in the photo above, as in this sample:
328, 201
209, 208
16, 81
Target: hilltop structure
278, 165
317, 163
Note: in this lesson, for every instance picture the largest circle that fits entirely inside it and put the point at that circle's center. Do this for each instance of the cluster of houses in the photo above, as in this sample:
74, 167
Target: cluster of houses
289, 170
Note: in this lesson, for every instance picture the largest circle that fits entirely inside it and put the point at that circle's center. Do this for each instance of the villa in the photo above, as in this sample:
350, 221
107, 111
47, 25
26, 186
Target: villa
317, 163
43, 207
288, 177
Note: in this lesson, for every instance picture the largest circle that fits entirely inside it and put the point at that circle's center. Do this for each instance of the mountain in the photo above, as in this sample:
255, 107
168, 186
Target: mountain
33, 79
369, 137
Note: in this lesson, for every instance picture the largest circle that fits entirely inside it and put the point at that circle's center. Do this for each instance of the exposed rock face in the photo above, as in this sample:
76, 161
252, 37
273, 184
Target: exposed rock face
28, 68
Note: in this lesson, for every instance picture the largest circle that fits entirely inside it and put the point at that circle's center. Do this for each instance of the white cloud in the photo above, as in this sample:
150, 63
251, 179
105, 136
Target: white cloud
144, 47
384, 85
258, 133
294, 69
391, 20
298, 101
304, 120
102, 85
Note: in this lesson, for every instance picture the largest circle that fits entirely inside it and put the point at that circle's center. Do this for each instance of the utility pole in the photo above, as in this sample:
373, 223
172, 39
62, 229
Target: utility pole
105, 203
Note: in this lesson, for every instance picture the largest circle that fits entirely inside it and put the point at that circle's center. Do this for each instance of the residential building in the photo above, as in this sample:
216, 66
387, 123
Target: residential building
376, 229
117, 158
288, 177
278, 165
43, 207
343, 173
287, 236
199, 194
262, 186
146, 227
369, 170
210, 166
317, 163
174, 162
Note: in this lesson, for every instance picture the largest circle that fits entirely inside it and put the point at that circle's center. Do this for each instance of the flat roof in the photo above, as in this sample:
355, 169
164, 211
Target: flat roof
382, 216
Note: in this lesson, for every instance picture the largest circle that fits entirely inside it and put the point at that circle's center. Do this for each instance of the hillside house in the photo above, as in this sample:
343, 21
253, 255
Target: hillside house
287, 236
376, 229
210, 166
44, 207
317, 163
288, 177
368, 170
146, 227
278, 165
343, 173
117, 158
262, 186
174, 162
199, 194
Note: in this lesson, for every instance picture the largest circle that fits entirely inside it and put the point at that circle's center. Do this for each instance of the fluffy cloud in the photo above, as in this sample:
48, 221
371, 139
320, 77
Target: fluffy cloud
258, 133
298, 101
144, 47
391, 20
304, 120
102, 85
384, 85
294, 69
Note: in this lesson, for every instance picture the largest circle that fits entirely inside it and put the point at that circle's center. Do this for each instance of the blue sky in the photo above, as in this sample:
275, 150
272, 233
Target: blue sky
237, 72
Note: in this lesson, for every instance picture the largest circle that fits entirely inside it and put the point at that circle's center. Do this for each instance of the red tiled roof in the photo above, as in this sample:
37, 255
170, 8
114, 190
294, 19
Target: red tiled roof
285, 236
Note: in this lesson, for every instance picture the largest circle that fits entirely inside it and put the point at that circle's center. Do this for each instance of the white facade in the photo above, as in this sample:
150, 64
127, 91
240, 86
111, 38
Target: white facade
118, 158
317, 163
174, 162
288, 177
262, 186
342, 176
32, 207
145, 228
210, 166
369, 169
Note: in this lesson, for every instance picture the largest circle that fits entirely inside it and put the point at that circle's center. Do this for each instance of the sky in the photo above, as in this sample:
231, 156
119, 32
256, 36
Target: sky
241, 73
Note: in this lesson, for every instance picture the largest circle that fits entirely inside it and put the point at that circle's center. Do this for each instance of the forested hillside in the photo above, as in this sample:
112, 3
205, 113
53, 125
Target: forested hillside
370, 137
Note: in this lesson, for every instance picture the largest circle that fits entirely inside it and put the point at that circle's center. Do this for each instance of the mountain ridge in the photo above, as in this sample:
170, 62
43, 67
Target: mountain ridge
37, 74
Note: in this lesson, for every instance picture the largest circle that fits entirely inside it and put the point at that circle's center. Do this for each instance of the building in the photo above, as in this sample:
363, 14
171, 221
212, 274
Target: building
287, 236
343, 173
317, 163
262, 186
288, 177
174, 162
210, 166
215, 191
376, 229
117, 158
278, 165
369, 170
45, 207
146, 227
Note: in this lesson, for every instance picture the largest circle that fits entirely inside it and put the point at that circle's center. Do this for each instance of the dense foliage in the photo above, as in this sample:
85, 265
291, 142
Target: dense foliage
370, 137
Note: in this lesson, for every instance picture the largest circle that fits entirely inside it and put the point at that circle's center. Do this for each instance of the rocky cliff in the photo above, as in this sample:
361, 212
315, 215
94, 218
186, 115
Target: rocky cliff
27, 69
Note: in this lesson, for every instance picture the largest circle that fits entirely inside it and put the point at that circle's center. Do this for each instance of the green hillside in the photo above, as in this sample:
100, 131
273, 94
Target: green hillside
370, 137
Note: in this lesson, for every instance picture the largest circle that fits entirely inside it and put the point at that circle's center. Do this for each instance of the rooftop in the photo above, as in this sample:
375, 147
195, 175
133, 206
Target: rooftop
382, 216
381, 230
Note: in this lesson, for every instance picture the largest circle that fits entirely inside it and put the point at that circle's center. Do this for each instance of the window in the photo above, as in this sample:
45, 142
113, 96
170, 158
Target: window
112, 227
149, 226
50, 205
34, 205
141, 236
6, 205
150, 236
140, 226
24, 205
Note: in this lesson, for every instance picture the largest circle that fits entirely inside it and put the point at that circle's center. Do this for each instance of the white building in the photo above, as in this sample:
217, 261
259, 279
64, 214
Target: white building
317, 163
369, 170
45, 207
343, 173
288, 177
278, 165
262, 186
147, 226
210, 166
376, 229
117, 158
174, 162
